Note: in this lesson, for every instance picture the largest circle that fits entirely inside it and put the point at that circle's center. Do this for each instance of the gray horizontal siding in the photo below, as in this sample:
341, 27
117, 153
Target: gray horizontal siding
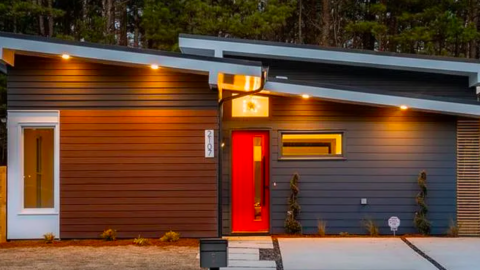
385, 151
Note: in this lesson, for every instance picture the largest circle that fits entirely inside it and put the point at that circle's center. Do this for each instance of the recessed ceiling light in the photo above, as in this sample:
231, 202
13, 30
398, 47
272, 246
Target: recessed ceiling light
403, 107
153, 66
65, 56
305, 96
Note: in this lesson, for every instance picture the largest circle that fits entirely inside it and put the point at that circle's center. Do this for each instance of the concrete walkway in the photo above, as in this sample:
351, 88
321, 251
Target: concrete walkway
350, 254
244, 253
451, 253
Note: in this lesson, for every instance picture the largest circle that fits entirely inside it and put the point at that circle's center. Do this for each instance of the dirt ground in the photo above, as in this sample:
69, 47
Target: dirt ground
105, 258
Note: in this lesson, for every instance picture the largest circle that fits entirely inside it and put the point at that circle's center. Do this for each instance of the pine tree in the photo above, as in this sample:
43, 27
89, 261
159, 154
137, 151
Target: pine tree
292, 225
421, 222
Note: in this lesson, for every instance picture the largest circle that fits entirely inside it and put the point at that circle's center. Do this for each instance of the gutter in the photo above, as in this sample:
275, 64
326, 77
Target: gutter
219, 143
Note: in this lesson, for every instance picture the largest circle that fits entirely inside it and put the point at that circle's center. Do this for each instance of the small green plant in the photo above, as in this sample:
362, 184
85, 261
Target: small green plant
170, 236
322, 227
292, 225
344, 234
109, 235
140, 241
371, 227
49, 238
420, 220
453, 228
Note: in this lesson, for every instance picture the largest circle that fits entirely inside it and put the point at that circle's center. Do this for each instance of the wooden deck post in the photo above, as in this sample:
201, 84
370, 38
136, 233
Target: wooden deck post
3, 204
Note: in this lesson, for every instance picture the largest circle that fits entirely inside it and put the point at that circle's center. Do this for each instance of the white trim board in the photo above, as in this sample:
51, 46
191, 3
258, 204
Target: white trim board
9, 46
207, 46
374, 99
30, 223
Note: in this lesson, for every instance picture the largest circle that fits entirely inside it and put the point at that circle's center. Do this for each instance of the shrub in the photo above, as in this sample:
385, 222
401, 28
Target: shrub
420, 220
49, 238
109, 235
170, 236
371, 227
292, 225
344, 234
140, 241
322, 227
453, 229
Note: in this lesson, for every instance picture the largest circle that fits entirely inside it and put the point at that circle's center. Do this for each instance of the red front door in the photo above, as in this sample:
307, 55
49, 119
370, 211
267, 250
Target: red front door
250, 196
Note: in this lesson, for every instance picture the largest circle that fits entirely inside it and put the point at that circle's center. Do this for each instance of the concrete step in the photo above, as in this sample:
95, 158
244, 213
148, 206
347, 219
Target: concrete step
252, 264
239, 250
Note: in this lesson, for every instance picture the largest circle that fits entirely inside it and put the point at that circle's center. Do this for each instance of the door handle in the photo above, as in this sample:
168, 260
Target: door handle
265, 186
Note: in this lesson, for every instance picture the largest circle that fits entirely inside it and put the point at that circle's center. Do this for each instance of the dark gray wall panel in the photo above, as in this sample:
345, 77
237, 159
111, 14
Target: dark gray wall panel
385, 150
374, 79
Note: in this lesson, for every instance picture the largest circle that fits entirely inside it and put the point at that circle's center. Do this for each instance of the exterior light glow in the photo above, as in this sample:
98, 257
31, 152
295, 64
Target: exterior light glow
305, 96
65, 56
223, 144
250, 105
153, 66
403, 107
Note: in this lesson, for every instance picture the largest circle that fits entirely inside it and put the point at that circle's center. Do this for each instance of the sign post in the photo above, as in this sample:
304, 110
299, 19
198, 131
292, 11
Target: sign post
394, 223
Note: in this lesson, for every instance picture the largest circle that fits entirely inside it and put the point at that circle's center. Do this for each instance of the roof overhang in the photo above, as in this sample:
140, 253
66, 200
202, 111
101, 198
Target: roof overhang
213, 46
12, 44
375, 99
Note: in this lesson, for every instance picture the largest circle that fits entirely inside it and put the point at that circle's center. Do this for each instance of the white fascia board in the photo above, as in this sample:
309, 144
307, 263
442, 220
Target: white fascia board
335, 57
374, 99
126, 57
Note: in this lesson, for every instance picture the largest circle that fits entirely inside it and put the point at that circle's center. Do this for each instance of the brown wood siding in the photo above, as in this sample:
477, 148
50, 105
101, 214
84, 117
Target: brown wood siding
136, 171
385, 149
42, 83
131, 145
468, 171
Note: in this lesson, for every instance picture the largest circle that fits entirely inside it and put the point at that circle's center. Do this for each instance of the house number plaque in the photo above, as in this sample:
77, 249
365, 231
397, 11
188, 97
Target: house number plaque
209, 143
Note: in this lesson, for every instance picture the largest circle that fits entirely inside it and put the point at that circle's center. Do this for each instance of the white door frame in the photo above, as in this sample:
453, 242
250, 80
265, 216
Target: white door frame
30, 223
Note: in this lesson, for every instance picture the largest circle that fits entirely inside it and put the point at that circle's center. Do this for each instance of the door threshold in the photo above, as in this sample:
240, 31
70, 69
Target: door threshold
252, 233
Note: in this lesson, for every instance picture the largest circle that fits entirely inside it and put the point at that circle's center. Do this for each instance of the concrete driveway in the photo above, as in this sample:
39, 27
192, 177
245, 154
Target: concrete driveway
451, 253
351, 254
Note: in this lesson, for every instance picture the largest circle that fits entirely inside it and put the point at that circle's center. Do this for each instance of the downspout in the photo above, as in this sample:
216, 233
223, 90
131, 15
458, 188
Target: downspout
220, 151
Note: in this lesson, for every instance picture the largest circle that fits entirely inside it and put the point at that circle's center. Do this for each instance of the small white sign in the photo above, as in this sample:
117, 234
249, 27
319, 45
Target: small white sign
209, 143
394, 223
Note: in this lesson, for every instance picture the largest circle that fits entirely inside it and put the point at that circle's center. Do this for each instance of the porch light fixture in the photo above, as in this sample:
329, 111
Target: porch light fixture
238, 82
250, 105
403, 107
154, 67
65, 56
305, 96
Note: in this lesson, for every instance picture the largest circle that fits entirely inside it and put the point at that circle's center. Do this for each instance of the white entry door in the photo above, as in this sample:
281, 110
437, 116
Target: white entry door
33, 174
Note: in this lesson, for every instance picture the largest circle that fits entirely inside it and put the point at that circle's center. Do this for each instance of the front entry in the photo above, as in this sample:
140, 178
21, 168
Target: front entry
250, 182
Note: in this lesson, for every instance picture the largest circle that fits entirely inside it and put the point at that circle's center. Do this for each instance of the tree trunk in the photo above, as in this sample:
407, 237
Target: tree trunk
136, 30
473, 18
122, 18
41, 25
110, 20
50, 18
368, 39
300, 37
325, 22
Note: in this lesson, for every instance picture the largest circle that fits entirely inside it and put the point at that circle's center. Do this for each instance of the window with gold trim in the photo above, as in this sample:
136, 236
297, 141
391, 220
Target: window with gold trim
311, 145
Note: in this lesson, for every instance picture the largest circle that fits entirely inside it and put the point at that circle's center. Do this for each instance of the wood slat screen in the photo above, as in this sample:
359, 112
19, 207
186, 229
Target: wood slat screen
3, 204
468, 176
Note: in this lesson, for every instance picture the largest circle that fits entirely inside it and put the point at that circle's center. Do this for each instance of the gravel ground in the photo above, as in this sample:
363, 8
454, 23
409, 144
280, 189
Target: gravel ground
105, 258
